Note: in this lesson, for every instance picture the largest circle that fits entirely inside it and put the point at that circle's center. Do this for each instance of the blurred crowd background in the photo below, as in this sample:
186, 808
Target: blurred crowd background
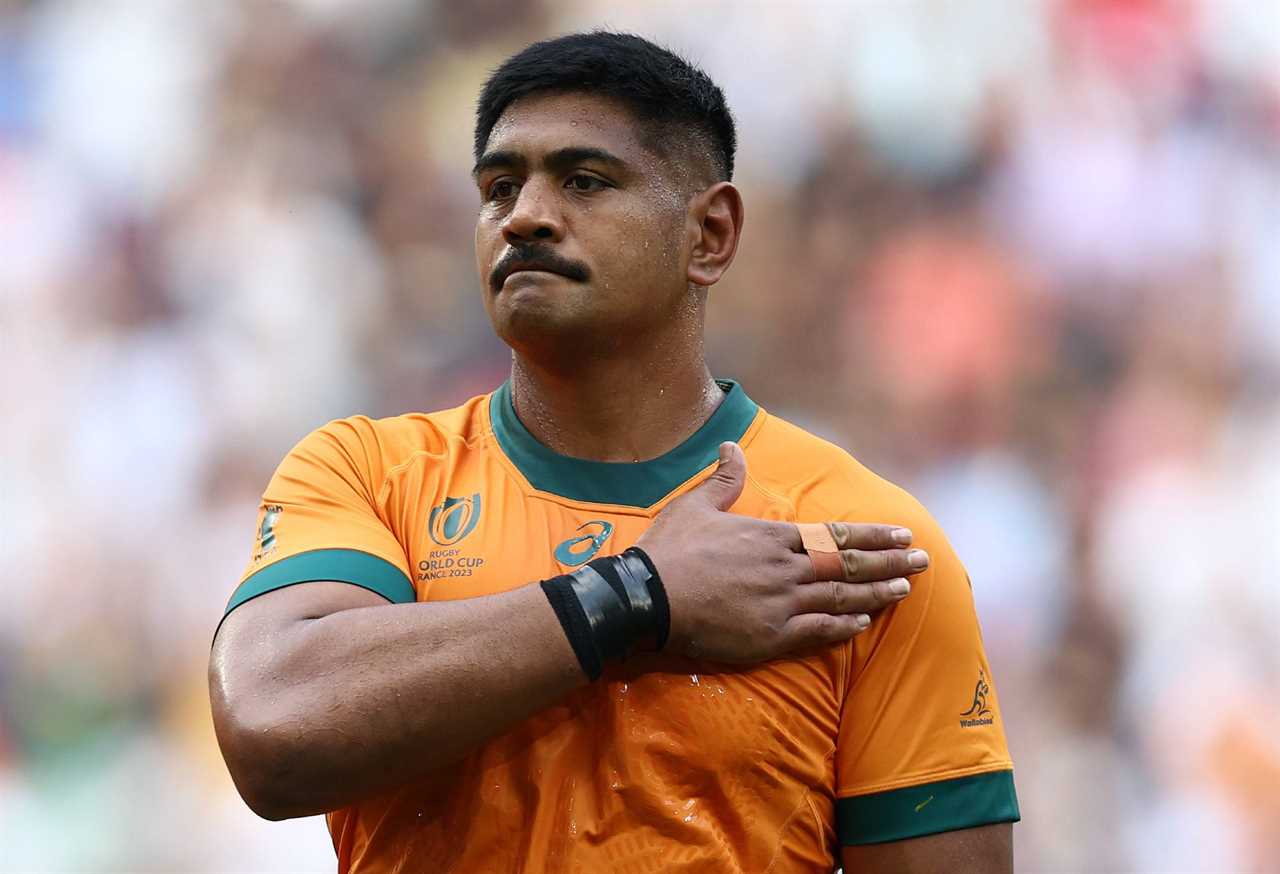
1030, 248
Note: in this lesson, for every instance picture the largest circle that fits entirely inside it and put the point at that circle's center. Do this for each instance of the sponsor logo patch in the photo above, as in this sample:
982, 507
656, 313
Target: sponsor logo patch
578, 550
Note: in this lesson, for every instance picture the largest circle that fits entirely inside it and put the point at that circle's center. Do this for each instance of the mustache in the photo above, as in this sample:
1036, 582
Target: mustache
535, 257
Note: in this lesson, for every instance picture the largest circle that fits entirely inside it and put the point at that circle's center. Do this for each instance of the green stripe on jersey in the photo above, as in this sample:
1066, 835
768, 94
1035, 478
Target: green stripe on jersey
625, 483
321, 565
927, 809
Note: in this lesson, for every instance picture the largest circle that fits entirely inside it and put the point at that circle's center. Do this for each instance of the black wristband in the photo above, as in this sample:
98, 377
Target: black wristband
610, 608
657, 593
573, 620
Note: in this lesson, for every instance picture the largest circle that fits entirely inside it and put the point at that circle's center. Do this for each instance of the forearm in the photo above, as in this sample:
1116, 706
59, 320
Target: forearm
329, 710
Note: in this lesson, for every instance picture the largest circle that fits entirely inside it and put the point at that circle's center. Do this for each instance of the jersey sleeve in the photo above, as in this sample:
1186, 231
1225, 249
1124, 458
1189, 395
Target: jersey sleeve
319, 520
921, 748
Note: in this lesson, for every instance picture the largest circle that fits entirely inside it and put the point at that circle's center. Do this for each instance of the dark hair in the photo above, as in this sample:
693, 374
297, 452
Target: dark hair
658, 85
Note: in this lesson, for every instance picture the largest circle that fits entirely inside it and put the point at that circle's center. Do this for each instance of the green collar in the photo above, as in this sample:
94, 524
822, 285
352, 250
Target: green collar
629, 484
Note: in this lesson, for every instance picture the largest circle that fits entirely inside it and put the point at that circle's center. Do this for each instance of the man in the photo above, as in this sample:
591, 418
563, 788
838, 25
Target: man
616, 638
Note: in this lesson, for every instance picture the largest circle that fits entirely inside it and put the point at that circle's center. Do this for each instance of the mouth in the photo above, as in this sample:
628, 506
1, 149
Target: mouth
529, 270
536, 264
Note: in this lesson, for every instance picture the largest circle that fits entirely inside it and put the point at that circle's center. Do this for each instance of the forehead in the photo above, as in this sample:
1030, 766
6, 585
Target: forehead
544, 122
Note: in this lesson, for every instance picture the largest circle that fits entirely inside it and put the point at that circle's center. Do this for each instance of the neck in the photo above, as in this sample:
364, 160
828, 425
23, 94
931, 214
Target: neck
623, 408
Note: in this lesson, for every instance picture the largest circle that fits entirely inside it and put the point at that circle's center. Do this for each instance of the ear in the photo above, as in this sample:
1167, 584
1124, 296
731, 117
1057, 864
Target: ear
714, 227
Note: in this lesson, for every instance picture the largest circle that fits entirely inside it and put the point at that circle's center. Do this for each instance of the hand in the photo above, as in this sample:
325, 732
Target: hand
742, 590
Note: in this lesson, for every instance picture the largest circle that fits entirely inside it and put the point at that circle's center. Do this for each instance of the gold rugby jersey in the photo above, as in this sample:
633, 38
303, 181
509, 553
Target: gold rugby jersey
666, 763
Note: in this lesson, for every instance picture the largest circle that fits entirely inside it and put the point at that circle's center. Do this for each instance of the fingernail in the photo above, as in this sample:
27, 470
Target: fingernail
724, 452
862, 620
902, 535
899, 586
918, 558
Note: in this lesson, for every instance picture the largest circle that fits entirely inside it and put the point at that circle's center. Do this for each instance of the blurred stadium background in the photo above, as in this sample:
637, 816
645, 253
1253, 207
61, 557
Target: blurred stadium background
1021, 256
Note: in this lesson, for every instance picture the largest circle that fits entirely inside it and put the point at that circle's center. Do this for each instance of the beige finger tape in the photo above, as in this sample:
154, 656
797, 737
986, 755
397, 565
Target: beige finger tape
821, 545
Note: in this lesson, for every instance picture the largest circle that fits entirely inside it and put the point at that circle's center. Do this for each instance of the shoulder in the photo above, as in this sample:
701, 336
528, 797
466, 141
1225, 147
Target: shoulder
373, 448
824, 482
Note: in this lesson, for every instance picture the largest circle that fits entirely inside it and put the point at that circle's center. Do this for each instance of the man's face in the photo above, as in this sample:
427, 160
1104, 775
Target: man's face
581, 232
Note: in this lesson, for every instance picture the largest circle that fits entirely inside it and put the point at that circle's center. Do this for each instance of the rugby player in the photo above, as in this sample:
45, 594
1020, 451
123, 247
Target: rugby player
612, 616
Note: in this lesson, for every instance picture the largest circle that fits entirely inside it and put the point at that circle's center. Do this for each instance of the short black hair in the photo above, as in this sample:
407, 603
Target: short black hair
655, 83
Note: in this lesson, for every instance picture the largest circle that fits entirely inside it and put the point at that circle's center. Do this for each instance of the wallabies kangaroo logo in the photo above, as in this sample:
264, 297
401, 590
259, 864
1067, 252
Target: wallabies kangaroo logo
979, 706
453, 520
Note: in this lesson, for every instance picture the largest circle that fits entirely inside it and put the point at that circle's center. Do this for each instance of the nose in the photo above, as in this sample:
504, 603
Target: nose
534, 215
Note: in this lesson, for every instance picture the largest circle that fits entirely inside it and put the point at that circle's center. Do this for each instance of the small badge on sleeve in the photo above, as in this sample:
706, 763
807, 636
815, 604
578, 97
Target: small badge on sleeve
978, 713
267, 531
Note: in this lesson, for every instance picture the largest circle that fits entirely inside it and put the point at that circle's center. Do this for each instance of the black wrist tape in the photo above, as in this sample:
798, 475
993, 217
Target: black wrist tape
648, 576
610, 608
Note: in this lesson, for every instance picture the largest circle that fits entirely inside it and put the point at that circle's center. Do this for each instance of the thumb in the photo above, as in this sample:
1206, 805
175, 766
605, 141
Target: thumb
724, 486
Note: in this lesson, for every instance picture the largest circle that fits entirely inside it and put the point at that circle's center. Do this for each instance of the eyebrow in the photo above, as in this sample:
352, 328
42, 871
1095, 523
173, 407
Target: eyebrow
560, 159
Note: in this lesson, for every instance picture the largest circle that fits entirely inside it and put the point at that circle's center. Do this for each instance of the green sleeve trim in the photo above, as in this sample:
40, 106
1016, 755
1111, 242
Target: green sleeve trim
927, 809
339, 565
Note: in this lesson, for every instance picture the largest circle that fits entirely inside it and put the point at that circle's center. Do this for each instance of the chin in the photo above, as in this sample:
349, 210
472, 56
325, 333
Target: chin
529, 314
546, 328
536, 325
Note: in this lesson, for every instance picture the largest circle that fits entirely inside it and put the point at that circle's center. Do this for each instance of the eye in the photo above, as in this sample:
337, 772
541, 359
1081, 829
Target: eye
583, 182
503, 189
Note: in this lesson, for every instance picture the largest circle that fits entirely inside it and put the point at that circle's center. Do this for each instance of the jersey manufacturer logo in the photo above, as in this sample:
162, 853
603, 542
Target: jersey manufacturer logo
577, 550
978, 712
453, 519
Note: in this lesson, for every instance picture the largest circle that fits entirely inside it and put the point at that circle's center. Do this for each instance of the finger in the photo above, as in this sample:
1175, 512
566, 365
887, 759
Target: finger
725, 485
864, 535
816, 540
830, 562
861, 535
843, 598
847, 535
862, 566
821, 629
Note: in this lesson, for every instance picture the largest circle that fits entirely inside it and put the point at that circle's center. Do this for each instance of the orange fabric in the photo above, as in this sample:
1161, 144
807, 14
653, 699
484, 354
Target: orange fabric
665, 764
319, 499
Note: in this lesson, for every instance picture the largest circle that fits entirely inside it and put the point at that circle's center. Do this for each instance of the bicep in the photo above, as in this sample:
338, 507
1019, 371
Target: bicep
256, 638
986, 849
272, 612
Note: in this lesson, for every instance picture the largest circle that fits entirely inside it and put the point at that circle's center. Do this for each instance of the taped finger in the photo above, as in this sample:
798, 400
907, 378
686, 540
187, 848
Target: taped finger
820, 544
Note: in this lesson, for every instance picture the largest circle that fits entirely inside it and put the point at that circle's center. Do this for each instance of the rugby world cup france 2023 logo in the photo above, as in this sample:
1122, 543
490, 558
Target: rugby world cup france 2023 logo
454, 519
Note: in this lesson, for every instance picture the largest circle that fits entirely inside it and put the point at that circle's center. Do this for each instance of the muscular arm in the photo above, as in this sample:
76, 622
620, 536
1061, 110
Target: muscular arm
323, 693
987, 849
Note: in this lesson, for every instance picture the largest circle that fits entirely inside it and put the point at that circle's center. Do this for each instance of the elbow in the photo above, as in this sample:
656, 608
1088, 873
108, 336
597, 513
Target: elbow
253, 736
263, 768
263, 804
276, 798
265, 795
272, 809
